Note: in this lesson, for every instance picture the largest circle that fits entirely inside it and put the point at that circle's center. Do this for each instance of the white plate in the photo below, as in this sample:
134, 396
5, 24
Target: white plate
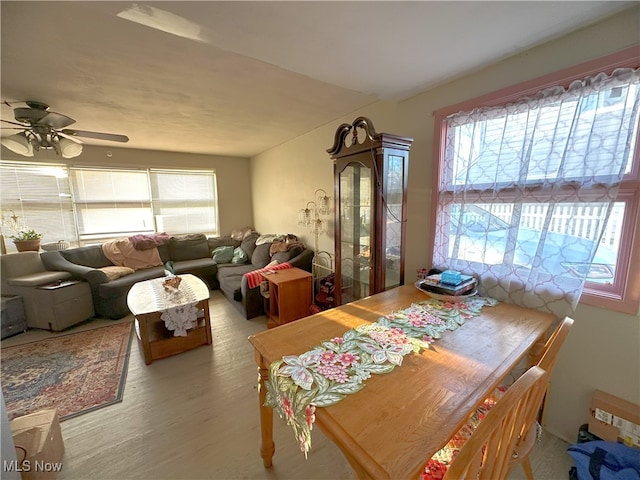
447, 298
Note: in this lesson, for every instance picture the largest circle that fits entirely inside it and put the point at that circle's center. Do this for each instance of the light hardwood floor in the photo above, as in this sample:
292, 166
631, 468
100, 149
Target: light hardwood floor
195, 416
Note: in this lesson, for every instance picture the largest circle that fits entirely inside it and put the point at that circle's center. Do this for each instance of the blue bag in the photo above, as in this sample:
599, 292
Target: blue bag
600, 460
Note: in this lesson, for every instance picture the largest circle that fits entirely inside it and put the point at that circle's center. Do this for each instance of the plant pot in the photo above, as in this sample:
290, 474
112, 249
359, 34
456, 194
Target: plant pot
28, 245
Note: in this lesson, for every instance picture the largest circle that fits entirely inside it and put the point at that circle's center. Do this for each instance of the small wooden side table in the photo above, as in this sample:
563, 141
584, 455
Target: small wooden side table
290, 295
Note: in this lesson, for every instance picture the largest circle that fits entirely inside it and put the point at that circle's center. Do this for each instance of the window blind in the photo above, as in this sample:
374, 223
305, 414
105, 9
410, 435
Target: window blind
40, 196
184, 201
111, 202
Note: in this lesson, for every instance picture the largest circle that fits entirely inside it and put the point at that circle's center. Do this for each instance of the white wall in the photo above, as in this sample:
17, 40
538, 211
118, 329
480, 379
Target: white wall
285, 178
603, 350
233, 174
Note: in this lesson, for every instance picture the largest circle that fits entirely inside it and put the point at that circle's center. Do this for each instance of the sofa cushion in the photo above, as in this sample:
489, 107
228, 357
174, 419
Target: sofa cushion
203, 268
282, 257
215, 242
165, 253
188, 247
248, 244
186, 266
231, 269
230, 279
261, 256
231, 287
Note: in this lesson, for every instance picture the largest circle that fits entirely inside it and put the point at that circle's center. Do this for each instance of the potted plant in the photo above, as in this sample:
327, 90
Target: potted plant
27, 239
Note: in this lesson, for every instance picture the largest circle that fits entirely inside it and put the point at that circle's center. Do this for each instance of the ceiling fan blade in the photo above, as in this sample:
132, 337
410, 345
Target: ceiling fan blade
29, 115
14, 123
97, 135
70, 137
56, 120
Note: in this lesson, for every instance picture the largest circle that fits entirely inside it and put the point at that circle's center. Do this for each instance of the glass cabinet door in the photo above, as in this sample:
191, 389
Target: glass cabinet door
394, 195
356, 230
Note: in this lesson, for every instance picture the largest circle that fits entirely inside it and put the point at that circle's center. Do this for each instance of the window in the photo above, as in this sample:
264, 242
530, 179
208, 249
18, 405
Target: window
87, 205
111, 203
526, 182
185, 201
39, 195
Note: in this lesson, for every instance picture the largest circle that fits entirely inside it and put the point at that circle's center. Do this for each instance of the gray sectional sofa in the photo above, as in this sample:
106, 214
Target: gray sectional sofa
189, 254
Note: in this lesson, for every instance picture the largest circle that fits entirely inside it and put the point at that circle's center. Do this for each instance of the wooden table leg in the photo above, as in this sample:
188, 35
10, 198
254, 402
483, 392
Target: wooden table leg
207, 321
143, 328
267, 448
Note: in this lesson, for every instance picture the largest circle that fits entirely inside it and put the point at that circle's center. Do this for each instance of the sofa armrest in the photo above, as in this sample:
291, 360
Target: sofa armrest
253, 301
303, 260
54, 260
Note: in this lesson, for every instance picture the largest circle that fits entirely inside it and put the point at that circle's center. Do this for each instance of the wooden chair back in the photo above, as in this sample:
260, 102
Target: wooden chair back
547, 361
552, 346
488, 452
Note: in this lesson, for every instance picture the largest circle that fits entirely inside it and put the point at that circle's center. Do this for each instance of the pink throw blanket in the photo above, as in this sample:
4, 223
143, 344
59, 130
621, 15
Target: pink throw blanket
255, 277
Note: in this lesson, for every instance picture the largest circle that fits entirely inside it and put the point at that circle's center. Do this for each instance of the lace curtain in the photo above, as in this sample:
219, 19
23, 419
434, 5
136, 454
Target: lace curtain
526, 190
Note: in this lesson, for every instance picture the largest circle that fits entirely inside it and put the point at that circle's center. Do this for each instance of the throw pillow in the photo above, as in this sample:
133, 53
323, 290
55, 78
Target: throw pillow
223, 254
116, 272
239, 256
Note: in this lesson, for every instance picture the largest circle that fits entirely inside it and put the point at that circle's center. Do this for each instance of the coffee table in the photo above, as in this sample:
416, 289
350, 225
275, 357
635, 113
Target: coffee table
148, 300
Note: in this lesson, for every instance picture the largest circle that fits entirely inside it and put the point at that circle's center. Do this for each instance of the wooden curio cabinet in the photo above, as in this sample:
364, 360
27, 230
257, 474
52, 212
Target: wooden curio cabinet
370, 187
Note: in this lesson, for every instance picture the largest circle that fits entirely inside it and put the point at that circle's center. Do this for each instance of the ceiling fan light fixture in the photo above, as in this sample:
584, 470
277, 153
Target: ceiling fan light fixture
69, 148
18, 143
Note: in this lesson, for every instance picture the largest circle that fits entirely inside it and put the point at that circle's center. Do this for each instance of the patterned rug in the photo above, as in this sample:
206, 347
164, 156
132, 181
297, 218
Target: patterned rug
75, 373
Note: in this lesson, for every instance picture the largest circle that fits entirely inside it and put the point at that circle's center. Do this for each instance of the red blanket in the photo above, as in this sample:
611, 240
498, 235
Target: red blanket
255, 277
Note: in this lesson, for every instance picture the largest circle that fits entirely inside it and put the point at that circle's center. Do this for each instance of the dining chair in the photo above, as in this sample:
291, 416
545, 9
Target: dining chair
487, 452
528, 432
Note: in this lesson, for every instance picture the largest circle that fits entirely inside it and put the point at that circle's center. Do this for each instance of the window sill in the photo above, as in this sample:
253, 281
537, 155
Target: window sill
630, 306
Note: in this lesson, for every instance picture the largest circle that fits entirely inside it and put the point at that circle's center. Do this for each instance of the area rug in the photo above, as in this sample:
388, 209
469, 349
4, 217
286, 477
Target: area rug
75, 373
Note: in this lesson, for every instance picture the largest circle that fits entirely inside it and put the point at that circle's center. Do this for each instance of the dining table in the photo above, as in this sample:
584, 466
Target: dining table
398, 420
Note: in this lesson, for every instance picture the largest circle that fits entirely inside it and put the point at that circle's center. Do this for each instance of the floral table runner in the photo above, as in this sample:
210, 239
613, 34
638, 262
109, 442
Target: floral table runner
338, 367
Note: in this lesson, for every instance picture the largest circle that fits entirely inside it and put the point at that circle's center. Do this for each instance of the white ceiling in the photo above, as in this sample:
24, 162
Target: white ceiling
247, 76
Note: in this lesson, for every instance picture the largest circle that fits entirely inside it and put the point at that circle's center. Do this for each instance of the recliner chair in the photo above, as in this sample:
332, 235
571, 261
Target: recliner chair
24, 274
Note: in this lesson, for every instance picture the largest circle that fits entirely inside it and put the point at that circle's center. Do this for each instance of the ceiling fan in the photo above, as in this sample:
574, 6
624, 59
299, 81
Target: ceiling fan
44, 129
